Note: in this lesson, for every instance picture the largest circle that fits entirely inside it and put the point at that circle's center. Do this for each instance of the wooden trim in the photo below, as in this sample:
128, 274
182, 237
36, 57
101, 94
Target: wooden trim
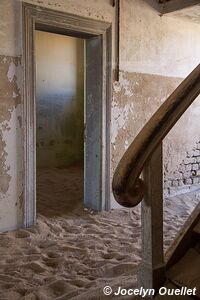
151, 273
29, 120
63, 20
36, 17
107, 114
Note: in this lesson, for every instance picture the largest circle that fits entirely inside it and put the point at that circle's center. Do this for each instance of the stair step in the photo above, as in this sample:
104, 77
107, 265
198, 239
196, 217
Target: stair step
196, 230
186, 272
197, 248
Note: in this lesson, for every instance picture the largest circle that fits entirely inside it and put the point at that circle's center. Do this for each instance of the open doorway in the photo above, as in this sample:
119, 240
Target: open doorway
97, 36
59, 123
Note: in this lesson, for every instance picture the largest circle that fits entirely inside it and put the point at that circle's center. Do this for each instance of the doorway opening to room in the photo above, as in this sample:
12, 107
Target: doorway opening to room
64, 97
59, 123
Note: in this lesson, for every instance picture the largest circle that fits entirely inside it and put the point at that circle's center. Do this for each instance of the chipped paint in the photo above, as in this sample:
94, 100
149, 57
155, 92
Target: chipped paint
4, 176
11, 71
123, 85
11, 147
120, 115
126, 145
8, 86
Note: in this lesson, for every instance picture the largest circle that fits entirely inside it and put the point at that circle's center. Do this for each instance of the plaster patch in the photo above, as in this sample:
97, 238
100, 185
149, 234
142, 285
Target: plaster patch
10, 85
13, 145
123, 85
120, 116
126, 144
14, 95
4, 176
11, 71
9, 99
11, 197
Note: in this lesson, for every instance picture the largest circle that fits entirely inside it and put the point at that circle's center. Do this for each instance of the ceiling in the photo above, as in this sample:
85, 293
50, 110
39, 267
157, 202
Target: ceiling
185, 9
191, 14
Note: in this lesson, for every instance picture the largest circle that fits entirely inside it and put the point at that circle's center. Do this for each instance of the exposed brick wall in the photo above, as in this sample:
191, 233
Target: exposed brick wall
187, 175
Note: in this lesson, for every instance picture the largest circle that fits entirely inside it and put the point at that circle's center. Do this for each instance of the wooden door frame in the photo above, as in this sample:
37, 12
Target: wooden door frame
42, 18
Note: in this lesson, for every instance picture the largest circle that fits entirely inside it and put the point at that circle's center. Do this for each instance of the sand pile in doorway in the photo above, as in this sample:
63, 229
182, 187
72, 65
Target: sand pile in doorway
74, 255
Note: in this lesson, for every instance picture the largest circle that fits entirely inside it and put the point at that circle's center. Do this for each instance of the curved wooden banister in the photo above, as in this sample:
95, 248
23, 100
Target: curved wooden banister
128, 188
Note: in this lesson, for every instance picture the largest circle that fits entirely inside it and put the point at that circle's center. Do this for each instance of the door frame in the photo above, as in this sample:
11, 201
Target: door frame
41, 18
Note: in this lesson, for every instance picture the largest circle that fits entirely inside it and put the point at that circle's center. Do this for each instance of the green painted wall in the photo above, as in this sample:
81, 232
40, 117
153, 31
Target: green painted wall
60, 99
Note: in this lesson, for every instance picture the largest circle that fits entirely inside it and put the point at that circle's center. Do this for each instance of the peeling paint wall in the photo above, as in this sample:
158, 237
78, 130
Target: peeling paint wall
135, 98
11, 147
156, 53
134, 102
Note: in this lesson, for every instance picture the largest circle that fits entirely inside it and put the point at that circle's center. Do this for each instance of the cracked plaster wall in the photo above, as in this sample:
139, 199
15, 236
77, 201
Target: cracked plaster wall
155, 54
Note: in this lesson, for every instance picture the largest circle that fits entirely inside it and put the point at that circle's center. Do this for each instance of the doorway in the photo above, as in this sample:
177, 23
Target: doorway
59, 123
97, 96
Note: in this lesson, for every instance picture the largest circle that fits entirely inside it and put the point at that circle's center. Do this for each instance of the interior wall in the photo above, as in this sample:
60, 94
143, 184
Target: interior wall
156, 53
59, 99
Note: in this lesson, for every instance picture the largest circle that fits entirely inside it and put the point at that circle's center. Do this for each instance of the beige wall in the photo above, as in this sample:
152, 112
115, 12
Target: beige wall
151, 44
155, 54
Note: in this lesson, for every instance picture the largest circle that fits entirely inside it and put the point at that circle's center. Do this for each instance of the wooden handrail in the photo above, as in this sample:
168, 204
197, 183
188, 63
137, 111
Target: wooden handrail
128, 188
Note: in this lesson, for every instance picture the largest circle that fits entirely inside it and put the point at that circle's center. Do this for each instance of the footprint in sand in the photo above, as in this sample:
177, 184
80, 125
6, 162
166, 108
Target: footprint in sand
21, 234
113, 255
79, 282
35, 267
55, 290
54, 262
6, 286
46, 243
11, 295
6, 242
52, 254
107, 255
31, 251
30, 296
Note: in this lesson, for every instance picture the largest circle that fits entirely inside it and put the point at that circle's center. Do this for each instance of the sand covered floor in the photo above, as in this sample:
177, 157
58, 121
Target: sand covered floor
73, 253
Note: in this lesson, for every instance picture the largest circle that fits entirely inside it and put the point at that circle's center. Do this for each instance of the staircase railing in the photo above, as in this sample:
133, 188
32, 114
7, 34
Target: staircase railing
145, 154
